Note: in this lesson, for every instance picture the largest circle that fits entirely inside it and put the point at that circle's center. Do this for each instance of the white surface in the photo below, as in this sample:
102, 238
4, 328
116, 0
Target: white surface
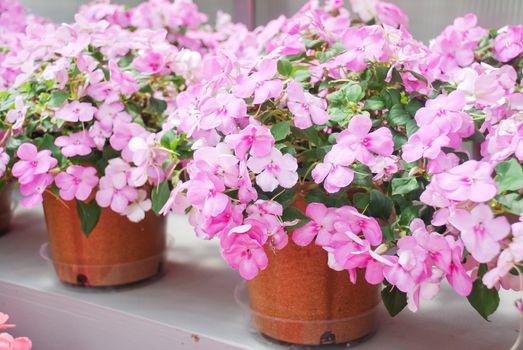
193, 307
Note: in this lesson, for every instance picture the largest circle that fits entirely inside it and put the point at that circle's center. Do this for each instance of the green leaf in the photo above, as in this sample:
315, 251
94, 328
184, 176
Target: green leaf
407, 215
388, 234
413, 106
398, 116
380, 206
361, 200
89, 214
483, 299
57, 98
509, 175
285, 67
404, 185
513, 202
280, 130
411, 127
393, 299
291, 214
160, 195
287, 197
158, 105
374, 104
343, 101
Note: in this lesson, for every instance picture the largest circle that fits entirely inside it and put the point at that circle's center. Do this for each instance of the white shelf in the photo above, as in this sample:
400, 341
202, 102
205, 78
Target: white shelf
193, 307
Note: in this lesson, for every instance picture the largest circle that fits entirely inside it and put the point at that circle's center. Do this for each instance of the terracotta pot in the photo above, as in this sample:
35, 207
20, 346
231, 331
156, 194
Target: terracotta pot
5, 209
298, 299
117, 252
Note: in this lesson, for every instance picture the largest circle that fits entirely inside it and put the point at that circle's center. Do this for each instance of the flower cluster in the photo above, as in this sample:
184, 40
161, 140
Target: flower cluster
7, 341
408, 156
83, 118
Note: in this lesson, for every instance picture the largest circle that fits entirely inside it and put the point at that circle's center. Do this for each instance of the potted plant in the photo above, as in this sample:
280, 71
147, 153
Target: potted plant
13, 23
260, 130
352, 138
81, 132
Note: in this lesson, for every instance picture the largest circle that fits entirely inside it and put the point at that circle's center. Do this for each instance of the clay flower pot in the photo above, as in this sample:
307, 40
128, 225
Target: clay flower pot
117, 252
298, 299
5, 209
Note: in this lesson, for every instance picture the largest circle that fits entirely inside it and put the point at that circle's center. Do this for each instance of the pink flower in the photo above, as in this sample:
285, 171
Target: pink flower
76, 111
150, 62
384, 167
274, 170
3, 320
480, 231
446, 113
220, 111
260, 83
365, 9
148, 158
257, 139
77, 182
124, 81
457, 276
242, 248
77, 144
469, 181
114, 189
8, 342
4, 160
361, 142
33, 190
136, 210
209, 226
509, 43
507, 260
391, 15
207, 194
16, 116
307, 109
177, 202
321, 227
358, 223
334, 170
427, 143
363, 44
217, 161
32, 163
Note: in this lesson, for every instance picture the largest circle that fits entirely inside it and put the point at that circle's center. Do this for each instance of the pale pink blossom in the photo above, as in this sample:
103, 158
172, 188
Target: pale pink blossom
480, 231
274, 170
306, 108
320, 227
260, 83
334, 171
360, 141
509, 43
76, 144
136, 210
242, 248
256, 139
32, 163
77, 182
471, 180
76, 111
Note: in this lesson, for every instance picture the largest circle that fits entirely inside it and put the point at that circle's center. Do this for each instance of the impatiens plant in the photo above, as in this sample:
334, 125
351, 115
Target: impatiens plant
84, 122
377, 132
7, 341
